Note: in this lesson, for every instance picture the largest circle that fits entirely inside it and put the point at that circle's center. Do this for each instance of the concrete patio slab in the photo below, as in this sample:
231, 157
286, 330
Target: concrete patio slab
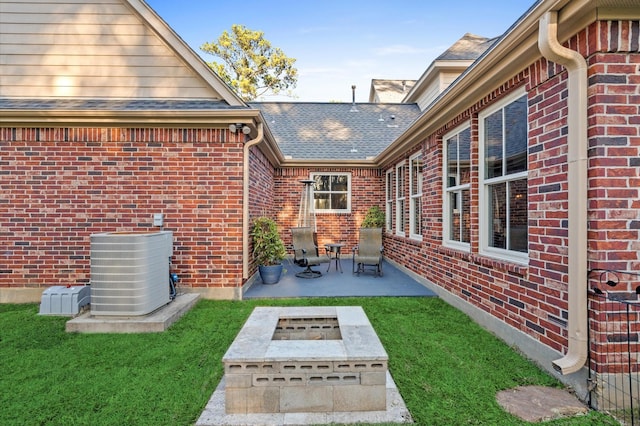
157, 321
393, 283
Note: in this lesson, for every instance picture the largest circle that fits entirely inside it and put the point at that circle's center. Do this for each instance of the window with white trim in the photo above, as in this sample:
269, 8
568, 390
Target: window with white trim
388, 214
331, 192
457, 186
503, 179
401, 177
415, 196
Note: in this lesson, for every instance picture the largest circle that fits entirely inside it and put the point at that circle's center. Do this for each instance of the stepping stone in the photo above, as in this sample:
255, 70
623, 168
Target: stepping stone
540, 403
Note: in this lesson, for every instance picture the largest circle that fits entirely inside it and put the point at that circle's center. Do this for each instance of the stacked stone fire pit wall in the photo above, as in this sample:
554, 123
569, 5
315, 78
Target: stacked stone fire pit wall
311, 359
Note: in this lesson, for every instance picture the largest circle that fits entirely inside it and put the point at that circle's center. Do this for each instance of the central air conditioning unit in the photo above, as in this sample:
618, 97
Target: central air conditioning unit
130, 272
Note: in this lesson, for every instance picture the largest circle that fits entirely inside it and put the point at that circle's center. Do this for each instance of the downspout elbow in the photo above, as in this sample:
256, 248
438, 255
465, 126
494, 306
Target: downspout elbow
576, 66
245, 199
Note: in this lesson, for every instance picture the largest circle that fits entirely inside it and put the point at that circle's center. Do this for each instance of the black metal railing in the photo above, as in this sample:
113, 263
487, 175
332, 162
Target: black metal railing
614, 347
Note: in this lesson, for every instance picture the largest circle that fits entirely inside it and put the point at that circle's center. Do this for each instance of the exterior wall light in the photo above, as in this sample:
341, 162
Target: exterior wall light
239, 127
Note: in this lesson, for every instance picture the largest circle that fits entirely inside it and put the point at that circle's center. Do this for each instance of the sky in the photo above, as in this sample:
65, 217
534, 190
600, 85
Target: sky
340, 43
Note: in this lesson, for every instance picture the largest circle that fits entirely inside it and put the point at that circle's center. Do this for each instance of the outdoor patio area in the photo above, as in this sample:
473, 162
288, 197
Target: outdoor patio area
334, 283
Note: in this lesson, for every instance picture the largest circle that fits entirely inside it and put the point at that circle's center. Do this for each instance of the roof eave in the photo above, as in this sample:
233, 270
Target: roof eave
314, 163
127, 118
513, 52
194, 119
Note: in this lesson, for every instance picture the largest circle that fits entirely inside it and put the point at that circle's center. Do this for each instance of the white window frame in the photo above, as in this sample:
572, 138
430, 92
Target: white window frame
400, 197
447, 191
483, 211
389, 186
415, 195
348, 192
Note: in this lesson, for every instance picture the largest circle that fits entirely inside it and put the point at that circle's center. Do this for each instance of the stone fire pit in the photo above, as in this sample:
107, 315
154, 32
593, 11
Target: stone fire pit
305, 359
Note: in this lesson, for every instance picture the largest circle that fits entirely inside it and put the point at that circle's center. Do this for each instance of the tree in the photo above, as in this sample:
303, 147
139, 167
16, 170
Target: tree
250, 64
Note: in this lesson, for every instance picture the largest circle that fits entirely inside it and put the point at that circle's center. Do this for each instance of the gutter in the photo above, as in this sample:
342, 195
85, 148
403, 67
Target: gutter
297, 162
176, 118
245, 199
577, 158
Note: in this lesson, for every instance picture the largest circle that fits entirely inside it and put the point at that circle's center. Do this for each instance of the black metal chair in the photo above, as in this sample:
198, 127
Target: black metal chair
305, 252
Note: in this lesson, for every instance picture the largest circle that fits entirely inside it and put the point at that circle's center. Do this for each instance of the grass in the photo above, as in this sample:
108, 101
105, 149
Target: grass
446, 367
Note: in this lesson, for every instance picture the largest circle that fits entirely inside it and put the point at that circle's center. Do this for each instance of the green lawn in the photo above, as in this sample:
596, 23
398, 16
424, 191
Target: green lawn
446, 367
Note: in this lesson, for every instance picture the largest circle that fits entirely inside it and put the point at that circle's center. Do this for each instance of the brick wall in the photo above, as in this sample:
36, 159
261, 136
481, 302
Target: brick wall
614, 162
614, 191
533, 298
59, 186
367, 185
548, 204
261, 193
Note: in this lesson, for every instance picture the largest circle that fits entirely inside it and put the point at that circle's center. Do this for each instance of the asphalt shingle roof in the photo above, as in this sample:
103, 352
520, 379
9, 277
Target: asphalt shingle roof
335, 131
469, 47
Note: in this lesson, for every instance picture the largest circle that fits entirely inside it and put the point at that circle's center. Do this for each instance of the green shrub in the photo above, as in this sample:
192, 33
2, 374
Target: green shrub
374, 218
268, 247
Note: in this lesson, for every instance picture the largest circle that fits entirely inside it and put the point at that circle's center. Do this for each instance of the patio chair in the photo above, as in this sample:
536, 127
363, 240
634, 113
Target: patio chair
368, 252
305, 252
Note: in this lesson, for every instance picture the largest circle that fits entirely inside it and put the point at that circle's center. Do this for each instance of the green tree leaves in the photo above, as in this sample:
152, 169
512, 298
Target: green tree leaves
250, 65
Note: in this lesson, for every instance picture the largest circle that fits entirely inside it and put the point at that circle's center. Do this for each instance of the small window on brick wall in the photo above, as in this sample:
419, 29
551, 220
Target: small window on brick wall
331, 192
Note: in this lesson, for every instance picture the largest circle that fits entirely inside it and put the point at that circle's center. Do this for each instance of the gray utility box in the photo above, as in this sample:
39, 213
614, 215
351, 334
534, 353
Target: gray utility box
63, 300
130, 272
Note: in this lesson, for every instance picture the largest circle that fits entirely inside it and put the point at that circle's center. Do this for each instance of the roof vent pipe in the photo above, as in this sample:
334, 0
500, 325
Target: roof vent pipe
577, 158
353, 99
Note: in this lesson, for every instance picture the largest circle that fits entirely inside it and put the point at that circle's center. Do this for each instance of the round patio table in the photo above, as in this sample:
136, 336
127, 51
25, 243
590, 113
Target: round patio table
333, 251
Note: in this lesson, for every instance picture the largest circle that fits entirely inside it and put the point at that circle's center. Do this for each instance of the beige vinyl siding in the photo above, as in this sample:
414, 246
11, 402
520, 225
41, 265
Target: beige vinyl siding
429, 94
89, 49
437, 85
446, 78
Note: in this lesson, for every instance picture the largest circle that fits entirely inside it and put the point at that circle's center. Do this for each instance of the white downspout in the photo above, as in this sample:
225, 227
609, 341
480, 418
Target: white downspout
245, 200
576, 66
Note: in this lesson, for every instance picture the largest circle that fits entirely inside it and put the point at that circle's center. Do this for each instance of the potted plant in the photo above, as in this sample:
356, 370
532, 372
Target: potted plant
374, 218
268, 249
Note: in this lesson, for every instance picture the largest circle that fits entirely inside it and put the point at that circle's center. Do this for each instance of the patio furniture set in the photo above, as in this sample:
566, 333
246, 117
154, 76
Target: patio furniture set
306, 253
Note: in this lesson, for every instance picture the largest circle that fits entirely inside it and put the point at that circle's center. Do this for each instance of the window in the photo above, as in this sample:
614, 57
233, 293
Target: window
503, 174
389, 201
400, 197
457, 184
415, 193
331, 192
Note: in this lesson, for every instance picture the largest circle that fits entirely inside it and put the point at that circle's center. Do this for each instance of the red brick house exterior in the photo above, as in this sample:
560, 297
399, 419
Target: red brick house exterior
62, 180
62, 185
532, 298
